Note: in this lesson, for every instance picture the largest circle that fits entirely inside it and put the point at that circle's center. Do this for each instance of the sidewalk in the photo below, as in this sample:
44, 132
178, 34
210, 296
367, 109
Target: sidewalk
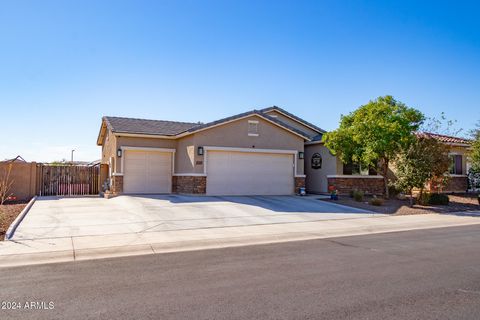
26, 252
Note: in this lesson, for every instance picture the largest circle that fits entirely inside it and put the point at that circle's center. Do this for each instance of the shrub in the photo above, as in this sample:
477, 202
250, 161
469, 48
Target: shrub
376, 201
423, 198
357, 195
438, 199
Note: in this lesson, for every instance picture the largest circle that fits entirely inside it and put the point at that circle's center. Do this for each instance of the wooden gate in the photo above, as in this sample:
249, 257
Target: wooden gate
68, 180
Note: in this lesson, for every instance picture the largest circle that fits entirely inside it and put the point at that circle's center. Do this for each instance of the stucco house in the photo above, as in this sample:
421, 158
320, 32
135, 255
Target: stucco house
259, 152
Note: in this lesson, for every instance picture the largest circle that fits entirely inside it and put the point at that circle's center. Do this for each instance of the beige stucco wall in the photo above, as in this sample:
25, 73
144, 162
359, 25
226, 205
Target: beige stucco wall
292, 123
235, 134
316, 180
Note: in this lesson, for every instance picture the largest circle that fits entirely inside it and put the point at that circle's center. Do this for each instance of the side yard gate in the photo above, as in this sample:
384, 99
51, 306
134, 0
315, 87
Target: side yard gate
67, 180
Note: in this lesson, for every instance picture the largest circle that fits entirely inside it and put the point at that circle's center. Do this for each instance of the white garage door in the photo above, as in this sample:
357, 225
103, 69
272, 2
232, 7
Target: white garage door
249, 173
147, 172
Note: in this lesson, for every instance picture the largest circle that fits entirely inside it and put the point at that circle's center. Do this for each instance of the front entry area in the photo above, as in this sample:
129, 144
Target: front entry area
147, 172
249, 173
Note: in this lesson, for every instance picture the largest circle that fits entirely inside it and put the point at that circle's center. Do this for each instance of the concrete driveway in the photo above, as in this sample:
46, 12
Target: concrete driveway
54, 217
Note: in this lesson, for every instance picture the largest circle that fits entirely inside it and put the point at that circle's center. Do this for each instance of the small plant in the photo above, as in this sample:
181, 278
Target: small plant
5, 183
375, 201
357, 195
438, 199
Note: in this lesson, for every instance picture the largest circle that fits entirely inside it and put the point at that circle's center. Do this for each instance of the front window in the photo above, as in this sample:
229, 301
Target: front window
456, 164
355, 169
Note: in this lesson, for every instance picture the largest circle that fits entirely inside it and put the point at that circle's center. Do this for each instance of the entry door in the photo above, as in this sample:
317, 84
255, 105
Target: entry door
249, 173
147, 172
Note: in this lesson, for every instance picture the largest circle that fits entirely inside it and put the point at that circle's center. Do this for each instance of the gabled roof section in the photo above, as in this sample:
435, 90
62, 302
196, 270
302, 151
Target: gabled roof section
175, 129
247, 114
293, 117
445, 139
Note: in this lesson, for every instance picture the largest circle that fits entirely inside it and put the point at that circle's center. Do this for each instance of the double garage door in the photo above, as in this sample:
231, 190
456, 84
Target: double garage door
228, 173
249, 173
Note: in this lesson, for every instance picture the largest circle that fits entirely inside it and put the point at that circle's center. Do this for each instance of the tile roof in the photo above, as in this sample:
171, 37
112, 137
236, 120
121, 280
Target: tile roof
445, 138
144, 126
173, 128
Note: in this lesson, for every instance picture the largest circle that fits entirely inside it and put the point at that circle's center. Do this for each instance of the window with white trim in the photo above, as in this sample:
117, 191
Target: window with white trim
253, 128
456, 164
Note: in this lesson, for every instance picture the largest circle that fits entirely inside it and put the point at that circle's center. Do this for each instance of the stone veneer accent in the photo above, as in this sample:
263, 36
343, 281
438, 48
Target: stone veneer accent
189, 184
457, 184
299, 183
345, 185
116, 186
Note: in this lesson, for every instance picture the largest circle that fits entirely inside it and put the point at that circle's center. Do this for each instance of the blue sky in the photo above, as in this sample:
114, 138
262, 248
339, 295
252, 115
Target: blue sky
64, 64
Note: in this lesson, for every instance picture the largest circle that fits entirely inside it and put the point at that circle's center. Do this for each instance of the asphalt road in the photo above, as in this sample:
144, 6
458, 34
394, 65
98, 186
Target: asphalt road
426, 274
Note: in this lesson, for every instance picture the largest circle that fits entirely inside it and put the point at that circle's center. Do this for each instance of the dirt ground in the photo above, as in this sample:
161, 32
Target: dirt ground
458, 202
8, 213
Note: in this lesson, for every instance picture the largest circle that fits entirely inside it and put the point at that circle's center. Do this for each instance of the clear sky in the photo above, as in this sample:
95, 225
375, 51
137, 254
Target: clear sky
64, 64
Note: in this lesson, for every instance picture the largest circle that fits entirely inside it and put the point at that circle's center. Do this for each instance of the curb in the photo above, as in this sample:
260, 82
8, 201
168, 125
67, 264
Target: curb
16, 222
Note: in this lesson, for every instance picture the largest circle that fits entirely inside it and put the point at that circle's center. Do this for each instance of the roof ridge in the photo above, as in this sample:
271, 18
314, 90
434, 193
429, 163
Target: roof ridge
296, 118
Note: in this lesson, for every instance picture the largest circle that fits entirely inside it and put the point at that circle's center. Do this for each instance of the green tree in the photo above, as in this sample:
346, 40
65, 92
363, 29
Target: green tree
475, 150
375, 133
424, 160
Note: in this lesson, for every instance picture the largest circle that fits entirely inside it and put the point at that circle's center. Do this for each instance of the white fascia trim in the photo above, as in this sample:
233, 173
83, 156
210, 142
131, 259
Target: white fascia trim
237, 119
148, 149
234, 149
300, 176
143, 135
286, 115
356, 176
124, 148
189, 175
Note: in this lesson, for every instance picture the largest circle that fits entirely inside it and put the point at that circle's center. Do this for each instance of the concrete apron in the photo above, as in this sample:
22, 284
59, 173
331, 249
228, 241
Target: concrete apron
54, 250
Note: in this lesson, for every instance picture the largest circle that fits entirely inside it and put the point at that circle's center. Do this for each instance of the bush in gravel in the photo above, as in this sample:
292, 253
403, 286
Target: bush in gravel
357, 195
438, 199
376, 201
423, 198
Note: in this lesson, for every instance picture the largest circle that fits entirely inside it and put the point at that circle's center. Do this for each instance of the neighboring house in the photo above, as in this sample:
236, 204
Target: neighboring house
259, 152
458, 150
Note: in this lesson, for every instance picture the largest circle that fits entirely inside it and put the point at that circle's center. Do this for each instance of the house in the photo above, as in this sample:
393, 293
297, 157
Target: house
459, 165
260, 152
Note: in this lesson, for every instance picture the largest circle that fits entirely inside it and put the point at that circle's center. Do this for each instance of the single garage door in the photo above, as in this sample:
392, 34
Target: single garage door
249, 173
147, 172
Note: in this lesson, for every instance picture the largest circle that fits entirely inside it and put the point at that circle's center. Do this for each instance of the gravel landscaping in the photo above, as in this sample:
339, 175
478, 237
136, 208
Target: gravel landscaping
458, 202
8, 213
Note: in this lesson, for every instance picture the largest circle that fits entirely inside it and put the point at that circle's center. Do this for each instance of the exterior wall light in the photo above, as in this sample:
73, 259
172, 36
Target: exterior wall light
301, 155
119, 153
200, 151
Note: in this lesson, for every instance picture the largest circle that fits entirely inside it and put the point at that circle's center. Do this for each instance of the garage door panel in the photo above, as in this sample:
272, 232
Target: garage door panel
248, 173
147, 172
